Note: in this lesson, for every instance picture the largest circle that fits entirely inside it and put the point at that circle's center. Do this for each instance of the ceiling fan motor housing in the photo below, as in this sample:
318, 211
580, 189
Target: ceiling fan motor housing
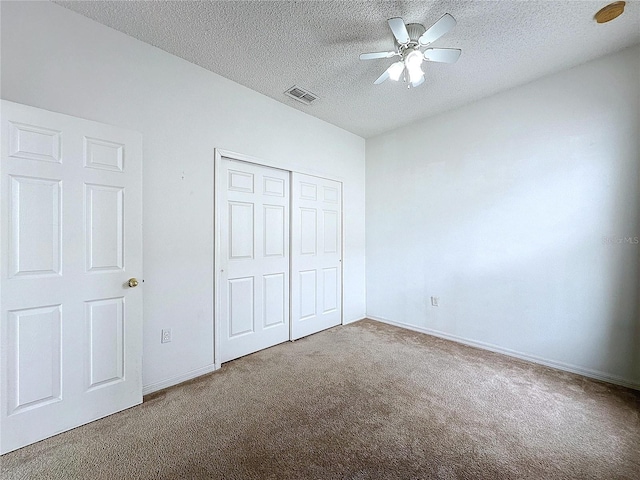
415, 31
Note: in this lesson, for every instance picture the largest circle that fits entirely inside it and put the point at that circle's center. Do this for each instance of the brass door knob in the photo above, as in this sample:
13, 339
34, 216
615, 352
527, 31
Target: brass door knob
133, 282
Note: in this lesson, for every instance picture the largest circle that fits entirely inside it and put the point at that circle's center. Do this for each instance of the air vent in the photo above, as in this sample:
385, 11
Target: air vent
301, 95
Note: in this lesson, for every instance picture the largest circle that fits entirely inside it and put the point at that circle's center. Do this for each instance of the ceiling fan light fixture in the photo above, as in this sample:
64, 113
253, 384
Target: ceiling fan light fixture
419, 81
415, 76
413, 62
395, 71
414, 59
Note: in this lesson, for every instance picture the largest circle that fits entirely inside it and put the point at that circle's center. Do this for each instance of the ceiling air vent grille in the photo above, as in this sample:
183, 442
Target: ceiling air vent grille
300, 94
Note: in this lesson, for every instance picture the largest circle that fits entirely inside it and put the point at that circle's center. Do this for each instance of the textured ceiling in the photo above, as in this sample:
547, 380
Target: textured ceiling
270, 46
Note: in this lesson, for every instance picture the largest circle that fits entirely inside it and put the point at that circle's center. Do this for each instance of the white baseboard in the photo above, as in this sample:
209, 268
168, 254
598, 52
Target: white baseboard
595, 374
170, 382
347, 322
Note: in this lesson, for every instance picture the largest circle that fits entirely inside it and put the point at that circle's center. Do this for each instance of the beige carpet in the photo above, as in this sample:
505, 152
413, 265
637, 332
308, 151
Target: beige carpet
363, 401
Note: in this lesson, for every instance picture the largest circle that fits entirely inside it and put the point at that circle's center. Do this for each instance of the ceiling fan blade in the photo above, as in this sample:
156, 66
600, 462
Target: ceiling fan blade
442, 55
399, 30
438, 29
373, 56
382, 78
394, 71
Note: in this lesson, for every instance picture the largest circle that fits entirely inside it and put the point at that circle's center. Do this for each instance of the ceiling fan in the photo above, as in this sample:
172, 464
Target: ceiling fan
409, 40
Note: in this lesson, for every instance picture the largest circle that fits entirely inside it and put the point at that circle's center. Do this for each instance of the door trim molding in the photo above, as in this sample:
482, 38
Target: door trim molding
218, 154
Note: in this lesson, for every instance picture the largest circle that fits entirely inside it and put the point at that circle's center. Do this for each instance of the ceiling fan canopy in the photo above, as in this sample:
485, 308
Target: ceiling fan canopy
409, 40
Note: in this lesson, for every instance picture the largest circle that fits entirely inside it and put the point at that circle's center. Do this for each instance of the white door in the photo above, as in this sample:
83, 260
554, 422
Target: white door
253, 233
70, 325
316, 256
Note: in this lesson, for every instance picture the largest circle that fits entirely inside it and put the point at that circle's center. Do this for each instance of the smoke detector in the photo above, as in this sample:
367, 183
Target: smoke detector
611, 11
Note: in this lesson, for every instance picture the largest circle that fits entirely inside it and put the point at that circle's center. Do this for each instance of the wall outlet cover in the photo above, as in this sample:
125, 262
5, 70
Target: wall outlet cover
166, 335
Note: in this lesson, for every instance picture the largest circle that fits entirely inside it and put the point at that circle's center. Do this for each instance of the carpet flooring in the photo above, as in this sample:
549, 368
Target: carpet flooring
363, 401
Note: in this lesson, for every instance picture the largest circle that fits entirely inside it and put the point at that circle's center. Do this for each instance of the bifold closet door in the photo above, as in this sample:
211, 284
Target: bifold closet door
253, 205
316, 256
71, 239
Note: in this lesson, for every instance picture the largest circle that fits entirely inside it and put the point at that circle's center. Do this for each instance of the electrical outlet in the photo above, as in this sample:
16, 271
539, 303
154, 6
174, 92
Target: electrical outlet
166, 335
435, 301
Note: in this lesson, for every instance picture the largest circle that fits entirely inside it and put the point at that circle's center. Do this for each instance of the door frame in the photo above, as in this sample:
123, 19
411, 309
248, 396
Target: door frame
219, 153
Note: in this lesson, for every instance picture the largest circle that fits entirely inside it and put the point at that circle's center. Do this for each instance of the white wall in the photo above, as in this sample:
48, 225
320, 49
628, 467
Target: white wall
500, 208
55, 59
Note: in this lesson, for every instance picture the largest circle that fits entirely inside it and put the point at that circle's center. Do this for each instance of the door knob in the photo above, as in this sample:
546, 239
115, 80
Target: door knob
133, 282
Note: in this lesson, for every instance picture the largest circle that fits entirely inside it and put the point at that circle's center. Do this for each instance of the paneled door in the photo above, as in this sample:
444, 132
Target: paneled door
70, 319
316, 257
253, 229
